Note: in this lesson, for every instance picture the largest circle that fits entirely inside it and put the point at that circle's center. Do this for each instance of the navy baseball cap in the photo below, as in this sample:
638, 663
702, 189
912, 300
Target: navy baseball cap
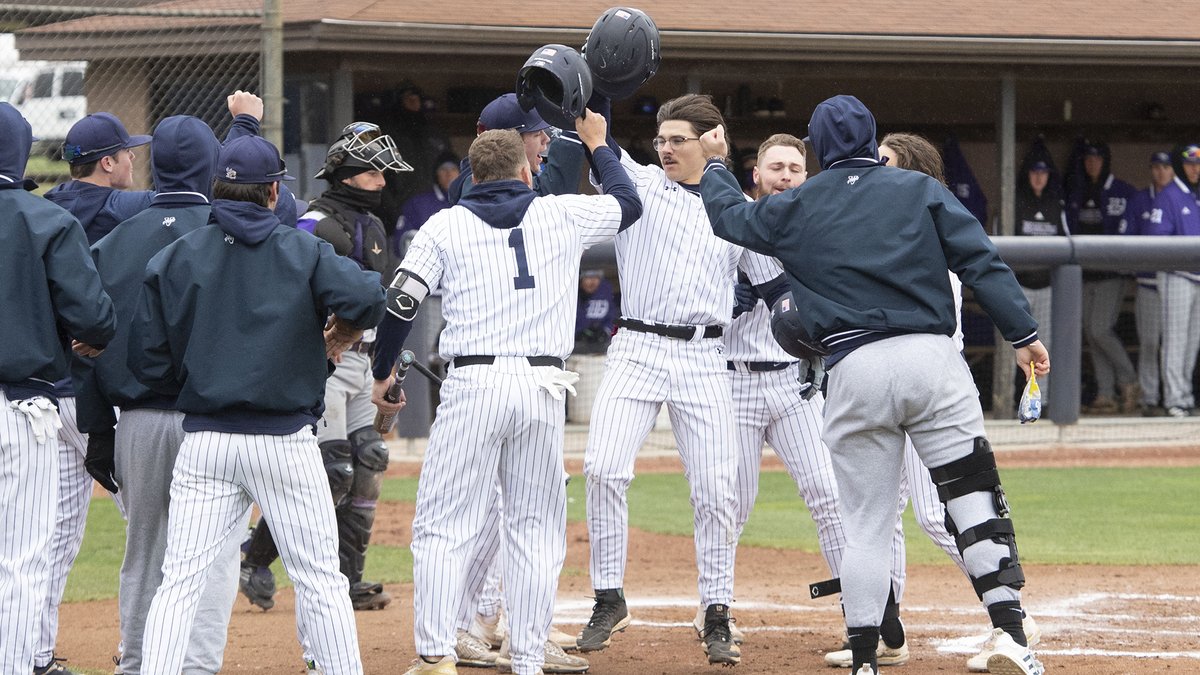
1161, 158
1093, 151
1039, 166
250, 160
96, 136
506, 113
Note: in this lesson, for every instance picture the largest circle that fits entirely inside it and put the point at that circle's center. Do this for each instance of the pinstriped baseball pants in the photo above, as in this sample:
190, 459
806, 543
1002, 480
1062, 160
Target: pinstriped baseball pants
1180, 337
494, 421
216, 477
28, 502
642, 372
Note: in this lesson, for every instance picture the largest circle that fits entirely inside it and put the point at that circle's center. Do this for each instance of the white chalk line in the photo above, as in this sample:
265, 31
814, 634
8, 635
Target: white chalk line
1071, 614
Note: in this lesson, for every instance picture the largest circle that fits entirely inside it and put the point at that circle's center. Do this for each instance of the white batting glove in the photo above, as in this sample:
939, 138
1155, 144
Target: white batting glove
42, 415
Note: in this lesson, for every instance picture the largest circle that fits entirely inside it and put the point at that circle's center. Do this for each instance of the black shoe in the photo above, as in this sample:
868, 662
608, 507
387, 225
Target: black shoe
55, 667
609, 615
718, 643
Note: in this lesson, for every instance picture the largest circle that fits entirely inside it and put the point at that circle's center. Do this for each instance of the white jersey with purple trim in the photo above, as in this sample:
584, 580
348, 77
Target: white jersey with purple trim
693, 285
510, 292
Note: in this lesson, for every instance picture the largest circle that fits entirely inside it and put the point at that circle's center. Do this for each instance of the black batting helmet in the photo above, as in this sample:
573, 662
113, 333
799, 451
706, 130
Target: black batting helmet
622, 51
790, 333
557, 82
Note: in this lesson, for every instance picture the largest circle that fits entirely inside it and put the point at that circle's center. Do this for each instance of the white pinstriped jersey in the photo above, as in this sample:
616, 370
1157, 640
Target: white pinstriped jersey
511, 292
749, 337
672, 268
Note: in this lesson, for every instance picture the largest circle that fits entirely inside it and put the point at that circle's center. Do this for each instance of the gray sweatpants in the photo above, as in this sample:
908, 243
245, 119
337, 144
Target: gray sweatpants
1149, 328
914, 383
147, 443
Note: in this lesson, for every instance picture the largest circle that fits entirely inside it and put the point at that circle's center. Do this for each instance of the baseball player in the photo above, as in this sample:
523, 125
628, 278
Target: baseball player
229, 322
507, 262
355, 455
1176, 212
137, 455
1148, 307
677, 300
48, 287
770, 405
867, 248
480, 628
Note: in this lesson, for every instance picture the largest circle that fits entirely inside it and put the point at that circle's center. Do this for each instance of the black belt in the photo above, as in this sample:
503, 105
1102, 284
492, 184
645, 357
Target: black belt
460, 361
759, 366
361, 347
671, 331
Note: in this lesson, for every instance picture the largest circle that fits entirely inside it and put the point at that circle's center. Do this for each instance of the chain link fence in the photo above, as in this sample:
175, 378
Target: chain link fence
142, 61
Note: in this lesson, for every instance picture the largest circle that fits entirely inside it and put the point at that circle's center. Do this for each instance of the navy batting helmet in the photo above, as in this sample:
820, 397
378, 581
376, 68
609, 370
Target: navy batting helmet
622, 51
557, 82
790, 333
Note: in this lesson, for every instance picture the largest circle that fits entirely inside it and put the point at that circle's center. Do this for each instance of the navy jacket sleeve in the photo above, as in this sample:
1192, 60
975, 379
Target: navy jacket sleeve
243, 125
150, 358
340, 286
973, 257
749, 224
79, 299
93, 411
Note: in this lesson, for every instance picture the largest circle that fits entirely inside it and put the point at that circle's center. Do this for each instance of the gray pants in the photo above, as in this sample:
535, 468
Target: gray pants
348, 404
147, 443
914, 383
1180, 339
1149, 328
1101, 304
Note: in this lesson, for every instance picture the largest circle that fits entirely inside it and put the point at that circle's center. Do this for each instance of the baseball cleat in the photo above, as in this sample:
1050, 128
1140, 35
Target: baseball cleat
866, 669
979, 662
734, 631
365, 595
1011, 658
556, 660
609, 615
443, 667
718, 643
884, 656
489, 629
258, 585
473, 652
564, 641
55, 667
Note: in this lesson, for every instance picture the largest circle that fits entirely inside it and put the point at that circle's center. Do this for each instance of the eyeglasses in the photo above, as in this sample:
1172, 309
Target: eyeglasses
675, 142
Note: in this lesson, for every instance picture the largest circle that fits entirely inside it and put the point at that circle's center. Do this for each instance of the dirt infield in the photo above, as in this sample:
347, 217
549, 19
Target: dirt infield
1095, 619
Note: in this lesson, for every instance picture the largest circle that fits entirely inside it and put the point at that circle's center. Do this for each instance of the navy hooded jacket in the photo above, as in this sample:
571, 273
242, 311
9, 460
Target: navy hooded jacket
49, 288
230, 321
866, 247
183, 159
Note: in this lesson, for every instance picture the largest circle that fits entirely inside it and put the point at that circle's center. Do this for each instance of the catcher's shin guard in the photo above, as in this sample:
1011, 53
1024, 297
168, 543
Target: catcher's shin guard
338, 466
356, 513
971, 474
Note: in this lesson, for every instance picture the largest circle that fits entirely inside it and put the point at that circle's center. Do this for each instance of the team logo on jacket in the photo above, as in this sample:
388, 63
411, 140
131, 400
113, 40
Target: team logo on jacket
851, 180
168, 221
230, 173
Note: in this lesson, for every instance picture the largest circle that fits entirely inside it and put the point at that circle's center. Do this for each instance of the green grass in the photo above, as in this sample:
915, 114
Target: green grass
1063, 516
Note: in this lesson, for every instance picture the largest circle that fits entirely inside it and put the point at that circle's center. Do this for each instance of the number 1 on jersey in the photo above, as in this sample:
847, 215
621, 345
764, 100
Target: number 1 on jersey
516, 241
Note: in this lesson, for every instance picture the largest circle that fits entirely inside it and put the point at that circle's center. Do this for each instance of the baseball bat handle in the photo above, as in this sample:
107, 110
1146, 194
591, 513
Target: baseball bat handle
384, 421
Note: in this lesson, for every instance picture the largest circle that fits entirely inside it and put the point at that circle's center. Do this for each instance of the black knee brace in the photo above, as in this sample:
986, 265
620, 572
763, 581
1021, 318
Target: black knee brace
977, 473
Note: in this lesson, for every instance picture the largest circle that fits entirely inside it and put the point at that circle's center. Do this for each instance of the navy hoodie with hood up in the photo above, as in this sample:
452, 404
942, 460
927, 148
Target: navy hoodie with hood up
230, 321
865, 246
49, 288
183, 159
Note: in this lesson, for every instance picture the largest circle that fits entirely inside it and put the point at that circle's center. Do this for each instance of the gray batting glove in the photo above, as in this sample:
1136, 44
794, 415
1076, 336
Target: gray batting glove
811, 377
